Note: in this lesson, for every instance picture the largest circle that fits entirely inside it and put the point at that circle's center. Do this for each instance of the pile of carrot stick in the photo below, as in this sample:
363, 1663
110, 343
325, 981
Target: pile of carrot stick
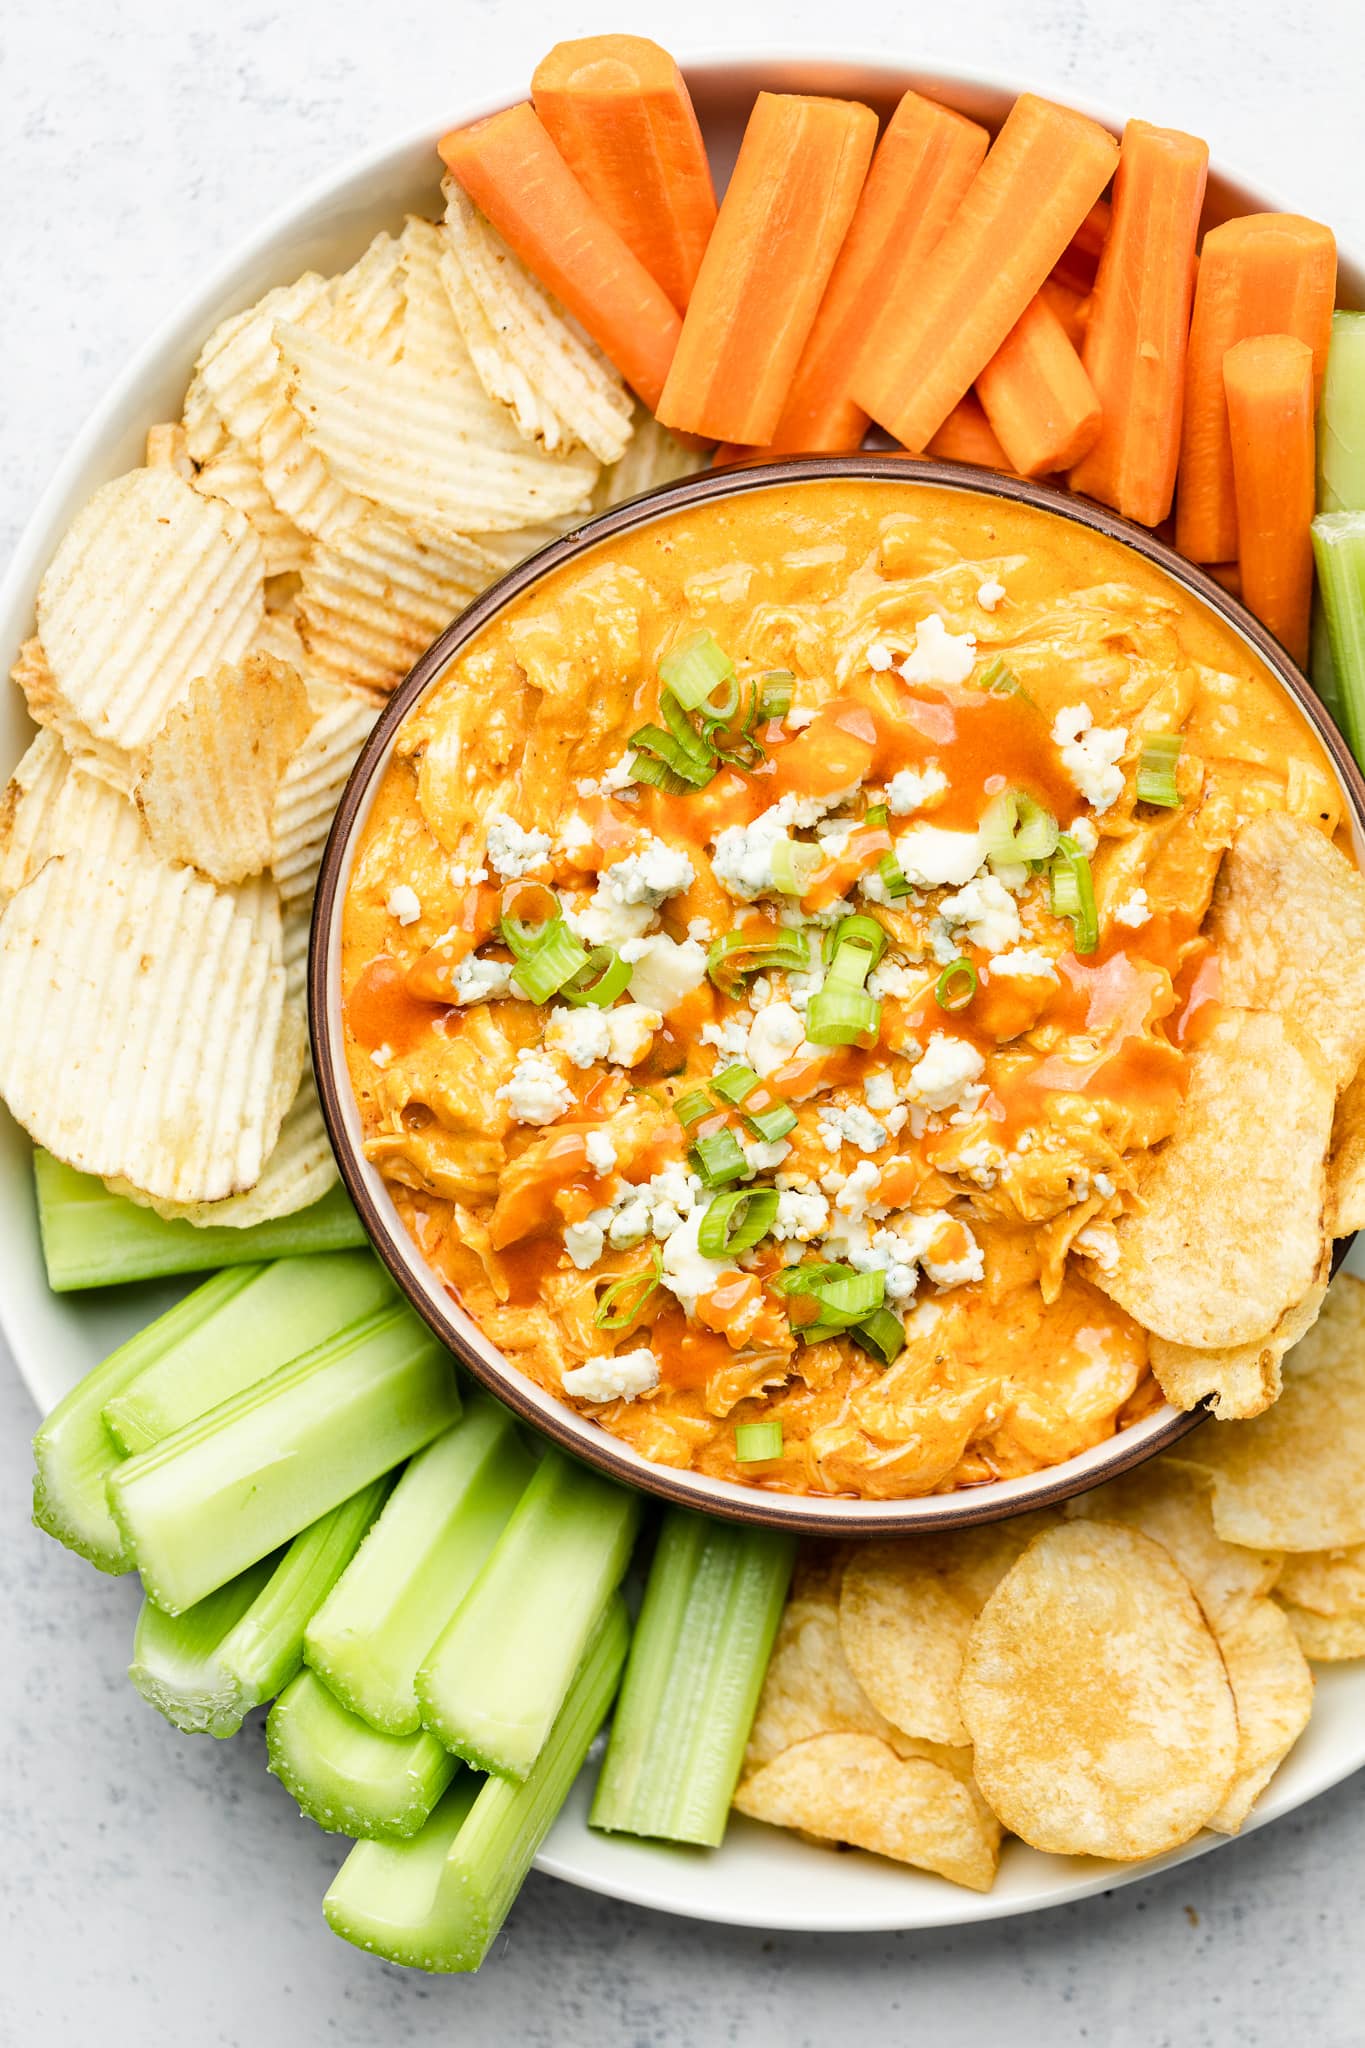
1038, 302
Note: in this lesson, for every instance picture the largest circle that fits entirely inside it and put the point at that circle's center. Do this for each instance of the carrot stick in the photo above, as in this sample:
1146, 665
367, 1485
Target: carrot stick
1268, 381
967, 436
924, 163
937, 331
1265, 273
801, 167
619, 113
1041, 405
511, 169
1079, 262
1229, 574
1072, 308
1139, 327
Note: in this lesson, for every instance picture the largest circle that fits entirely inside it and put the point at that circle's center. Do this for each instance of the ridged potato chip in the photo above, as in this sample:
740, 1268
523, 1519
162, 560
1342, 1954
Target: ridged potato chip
152, 1021
1243, 1379
1346, 1162
375, 598
32, 675
1096, 1697
212, 774
310, 792
432, 447
52, 806
151, 586
168, 448
1196, 1263
558, 384
1288, 925
853, 1788
298, 1173
1327, 1638
1272, 1691
237, 376
234, 475
652, 457
1291, 1479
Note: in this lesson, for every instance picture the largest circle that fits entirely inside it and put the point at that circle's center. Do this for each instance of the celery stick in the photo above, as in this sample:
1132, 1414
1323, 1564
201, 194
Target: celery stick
208, 1667
436, 1902
1339, 551
286, 1309
497, 1676
701, 1647
73, 1452
416, 1565
1341, 420
94, 1239
345, 1775
202, 1505
1322, 669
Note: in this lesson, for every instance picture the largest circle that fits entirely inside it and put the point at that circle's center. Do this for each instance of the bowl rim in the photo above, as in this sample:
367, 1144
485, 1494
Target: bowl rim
564, 1425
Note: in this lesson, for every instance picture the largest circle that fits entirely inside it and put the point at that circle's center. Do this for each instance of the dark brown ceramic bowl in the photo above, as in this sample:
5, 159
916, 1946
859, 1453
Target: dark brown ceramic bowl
425, 1290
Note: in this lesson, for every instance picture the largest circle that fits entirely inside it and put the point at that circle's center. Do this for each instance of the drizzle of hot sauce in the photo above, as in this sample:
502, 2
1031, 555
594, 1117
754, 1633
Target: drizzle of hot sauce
835, 751
381, 1009
527, 1265
688, 1355
985, 744
1114, 1002
1198, 989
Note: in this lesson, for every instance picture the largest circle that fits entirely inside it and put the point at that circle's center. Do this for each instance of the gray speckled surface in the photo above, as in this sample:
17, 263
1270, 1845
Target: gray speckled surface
155, 1888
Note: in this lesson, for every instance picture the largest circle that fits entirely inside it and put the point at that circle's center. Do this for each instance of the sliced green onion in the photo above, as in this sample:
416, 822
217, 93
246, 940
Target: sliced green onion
1017, 828
881, 1335
605, 977
735, 1083
654, 770
794, 861
775, 694
689, 1109
737, 954
806, 1278
772, 1124
842, 1012
859, 943
620, 1304
997, 826
735, 1222
1156, 770
1002, 681
557, 958
683, 751
522, 933
1073, 892
718, 1158
757, 1441
695, 670
956, 985
850, 1297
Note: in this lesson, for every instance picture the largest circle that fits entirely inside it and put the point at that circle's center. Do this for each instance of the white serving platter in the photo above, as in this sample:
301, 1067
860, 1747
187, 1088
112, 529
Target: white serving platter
761, 1877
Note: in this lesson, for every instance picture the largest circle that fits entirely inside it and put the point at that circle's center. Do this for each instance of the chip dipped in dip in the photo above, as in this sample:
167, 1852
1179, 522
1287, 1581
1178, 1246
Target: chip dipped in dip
778, 948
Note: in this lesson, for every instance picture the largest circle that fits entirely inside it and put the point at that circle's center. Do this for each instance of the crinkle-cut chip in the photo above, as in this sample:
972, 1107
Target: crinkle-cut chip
234, 475
294, 933
1291, 1479
1272, 1691
298, 1173
202, 421
281, 640
310, 792
853, 1788
1327, 1638
1173, 1505
433, 448
376, 597
153, 1017
433, 344
1241, 1380
168, 448
300, 482
238, 371
258, 899
1288, 925
212, 774
505, 550
1346, 1162
1096, 1697
364, 305
1325, 1581
652, 457
53, 806
808, 1688
105, 762
528, 353
1196, 1263
152, 586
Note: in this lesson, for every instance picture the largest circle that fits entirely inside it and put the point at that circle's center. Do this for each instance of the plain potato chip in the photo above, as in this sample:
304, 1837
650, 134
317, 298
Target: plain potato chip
376, 597
808, 1688
151, 586
1196, 1263
212, 774
310, 791
1346, 1162
298, 1173
168, 448
853, 1788
1288, 925
1272, 1691
652, 457
1291, 1479
1325, 1581
526, 350
53, 806
234, 475
1327, 1638
433, 448
1241, 1380
150, 1023
32, 674
1173, 1505
1096, 1697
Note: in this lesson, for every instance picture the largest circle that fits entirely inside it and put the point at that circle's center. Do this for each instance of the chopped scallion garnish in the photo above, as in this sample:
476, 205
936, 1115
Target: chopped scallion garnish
1016, 828
1073, 892
775, 694
689, 1109
544, 967
698, 671
735, 1222
772, 1124
1156, 770
757, 1441
1002, 681
881, 1335
793, 863
717, 1158
605, 977
842, 1012
956, 985
737, 954
735, 1083
619, 1304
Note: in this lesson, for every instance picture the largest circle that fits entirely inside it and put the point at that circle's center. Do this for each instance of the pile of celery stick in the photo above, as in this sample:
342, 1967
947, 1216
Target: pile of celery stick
326, 1518
1338, 661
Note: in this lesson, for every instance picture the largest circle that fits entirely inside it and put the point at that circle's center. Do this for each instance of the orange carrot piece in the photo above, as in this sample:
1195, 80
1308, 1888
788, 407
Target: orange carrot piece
1041, 405
968, 436
801, 167
1229, 575
1264, 273
1079, 262
513, 172
1072, 308
1268, 380
939, 329
1138, 332
619, 113
924, 163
